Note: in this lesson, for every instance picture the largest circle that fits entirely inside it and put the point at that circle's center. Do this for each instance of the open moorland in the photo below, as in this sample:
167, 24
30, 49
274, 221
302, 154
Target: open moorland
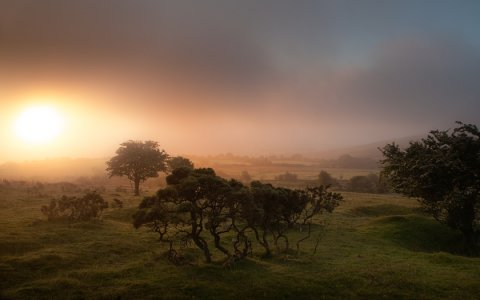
371, 246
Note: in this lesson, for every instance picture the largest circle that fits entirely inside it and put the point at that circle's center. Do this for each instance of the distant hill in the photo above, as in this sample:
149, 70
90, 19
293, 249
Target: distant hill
365, 151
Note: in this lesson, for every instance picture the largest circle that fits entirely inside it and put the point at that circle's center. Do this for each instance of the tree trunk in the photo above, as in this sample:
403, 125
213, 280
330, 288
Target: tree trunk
137, 187
277, 238
216, 238
202, 244
306, 237
468, 227
263, 242
247, 245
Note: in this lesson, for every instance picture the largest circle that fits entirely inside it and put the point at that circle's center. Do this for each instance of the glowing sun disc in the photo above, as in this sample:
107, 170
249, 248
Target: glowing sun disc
38, 124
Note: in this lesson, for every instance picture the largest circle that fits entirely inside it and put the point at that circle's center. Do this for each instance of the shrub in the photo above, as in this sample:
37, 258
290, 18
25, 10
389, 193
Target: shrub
326, 179
371, 183
86, 208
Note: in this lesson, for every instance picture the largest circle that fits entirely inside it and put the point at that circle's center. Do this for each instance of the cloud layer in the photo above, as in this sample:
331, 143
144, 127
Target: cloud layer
276, 74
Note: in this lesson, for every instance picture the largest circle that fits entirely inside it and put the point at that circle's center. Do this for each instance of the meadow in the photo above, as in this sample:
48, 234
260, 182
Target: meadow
371, 246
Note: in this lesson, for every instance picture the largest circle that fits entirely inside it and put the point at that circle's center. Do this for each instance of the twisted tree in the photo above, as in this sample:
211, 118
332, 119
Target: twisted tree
198, 206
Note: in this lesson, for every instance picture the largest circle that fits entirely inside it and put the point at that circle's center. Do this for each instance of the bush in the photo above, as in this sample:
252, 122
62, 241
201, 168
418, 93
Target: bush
86, 208
371, 183
326, 179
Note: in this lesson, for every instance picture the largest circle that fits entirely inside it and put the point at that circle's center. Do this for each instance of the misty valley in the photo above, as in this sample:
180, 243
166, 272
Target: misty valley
159, 226
239, 149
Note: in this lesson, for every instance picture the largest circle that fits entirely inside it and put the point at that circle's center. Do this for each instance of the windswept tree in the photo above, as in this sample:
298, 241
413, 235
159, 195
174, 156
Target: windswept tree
443, 171
195, 204
276, 210
138, 161
200, 208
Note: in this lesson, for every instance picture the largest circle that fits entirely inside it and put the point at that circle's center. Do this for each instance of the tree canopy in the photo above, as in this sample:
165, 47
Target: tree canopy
443, 171
179, 162
137, 161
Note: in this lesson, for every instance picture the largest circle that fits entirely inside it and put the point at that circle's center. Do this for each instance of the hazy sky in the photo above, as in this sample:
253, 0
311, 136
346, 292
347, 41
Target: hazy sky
237, 76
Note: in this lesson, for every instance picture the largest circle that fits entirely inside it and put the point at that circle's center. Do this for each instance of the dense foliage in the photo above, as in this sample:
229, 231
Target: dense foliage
138, 161
198, 206
179, 162
443, 171
86, 208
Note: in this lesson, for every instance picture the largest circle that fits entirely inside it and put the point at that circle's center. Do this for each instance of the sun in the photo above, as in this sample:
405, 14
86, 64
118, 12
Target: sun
38, 124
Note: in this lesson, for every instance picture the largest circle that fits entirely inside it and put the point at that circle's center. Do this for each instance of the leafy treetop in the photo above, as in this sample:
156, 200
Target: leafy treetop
137, 161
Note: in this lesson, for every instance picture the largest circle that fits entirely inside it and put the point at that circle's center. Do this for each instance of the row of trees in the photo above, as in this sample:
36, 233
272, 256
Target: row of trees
371, 183
200, 207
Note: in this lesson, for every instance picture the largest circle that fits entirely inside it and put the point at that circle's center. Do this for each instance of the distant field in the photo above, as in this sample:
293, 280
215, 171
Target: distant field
304, 172
373, 246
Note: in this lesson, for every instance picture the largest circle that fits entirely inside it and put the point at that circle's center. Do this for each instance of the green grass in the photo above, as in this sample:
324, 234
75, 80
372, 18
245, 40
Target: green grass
373, 246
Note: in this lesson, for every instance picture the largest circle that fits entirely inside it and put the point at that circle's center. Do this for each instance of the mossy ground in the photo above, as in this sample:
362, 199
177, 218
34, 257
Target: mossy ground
373, 246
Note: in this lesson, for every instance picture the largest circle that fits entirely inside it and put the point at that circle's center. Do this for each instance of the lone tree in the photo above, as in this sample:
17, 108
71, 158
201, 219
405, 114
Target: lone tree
138, 161
443, 171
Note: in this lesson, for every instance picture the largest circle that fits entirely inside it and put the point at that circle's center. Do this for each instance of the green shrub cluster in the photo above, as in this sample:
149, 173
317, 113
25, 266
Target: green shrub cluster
88, 207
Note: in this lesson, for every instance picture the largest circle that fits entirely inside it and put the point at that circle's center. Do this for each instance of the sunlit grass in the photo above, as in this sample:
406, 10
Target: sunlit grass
373, 246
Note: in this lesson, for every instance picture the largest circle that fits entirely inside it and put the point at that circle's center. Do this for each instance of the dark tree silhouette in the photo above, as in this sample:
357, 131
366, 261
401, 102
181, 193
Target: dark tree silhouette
275, 210
179, 162
326, 179
138, 161
198, 206
195, 203
443, 171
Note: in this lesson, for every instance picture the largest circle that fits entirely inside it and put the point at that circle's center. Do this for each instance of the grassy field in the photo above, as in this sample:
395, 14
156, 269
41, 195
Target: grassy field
372, 246
304, 172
